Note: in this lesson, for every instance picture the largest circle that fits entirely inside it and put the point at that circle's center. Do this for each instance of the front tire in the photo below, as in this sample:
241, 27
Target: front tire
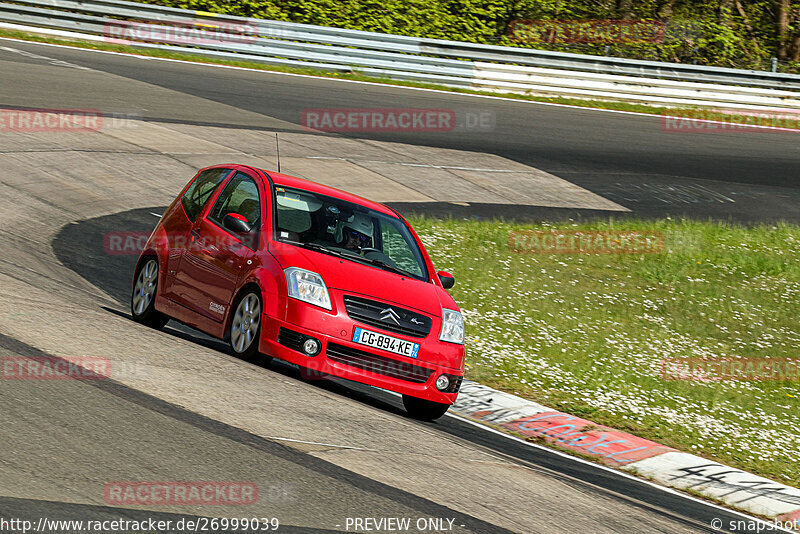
244, 332
143, 296
424, 410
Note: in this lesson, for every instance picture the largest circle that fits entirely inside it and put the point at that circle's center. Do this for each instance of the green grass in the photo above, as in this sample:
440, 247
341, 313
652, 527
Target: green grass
585, 333
691, 112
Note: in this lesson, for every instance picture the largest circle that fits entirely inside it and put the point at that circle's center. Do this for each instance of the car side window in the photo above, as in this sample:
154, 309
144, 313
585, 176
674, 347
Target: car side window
240, 196
395, 246
201, 190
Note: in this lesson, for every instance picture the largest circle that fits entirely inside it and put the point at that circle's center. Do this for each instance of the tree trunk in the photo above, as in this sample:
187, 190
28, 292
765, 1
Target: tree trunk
624, 9
796, 48
782, 28
665, 11
747, 25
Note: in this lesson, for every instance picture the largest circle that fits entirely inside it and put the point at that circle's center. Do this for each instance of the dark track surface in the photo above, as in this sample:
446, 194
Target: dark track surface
625, 157
160, 435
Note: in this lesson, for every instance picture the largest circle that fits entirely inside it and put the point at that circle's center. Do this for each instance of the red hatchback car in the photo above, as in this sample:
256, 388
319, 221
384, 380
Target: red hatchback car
287, 268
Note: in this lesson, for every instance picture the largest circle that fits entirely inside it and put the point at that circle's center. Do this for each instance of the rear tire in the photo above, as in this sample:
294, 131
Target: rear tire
424, 410
244, 333
143, 296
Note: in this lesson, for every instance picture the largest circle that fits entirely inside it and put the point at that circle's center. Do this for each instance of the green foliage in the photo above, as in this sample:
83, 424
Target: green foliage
711, 32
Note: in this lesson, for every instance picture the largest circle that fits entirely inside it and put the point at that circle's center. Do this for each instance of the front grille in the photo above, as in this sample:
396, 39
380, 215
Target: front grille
455, 384
382, 315
290, 338
375, 363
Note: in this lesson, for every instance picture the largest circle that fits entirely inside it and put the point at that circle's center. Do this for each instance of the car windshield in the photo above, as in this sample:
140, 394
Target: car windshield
334, 226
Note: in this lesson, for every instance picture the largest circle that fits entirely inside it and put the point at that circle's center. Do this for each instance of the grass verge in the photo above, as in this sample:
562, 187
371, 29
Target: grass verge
587, 333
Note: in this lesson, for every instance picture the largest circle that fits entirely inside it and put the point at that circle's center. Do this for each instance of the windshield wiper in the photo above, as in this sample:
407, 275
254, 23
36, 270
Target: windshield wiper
318, 248
382, 264
351, 256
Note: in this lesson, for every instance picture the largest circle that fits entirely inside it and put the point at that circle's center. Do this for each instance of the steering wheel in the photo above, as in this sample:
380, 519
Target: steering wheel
365, 250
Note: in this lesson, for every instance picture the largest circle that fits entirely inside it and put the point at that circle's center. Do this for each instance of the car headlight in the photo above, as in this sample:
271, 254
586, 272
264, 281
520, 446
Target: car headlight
308, 287
452, 327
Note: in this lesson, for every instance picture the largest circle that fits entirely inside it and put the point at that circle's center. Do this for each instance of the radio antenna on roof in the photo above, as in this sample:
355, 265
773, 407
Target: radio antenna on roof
278, 151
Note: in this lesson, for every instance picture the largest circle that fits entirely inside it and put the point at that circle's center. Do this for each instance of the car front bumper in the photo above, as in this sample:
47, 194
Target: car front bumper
339, 356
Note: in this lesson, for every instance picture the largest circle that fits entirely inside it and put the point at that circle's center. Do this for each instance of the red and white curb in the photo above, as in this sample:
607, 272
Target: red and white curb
620, 450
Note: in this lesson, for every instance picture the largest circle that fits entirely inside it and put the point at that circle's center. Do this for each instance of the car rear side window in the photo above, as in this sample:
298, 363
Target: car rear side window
201, 190
240, 196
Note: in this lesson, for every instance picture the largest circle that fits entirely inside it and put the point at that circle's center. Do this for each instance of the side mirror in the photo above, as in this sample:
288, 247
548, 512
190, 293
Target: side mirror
236, 223
446, 279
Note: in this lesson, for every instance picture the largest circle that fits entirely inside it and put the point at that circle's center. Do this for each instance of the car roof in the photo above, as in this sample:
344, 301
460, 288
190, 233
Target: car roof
300, 183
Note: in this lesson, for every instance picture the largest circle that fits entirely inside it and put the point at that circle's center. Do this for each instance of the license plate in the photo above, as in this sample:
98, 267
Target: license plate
384, 342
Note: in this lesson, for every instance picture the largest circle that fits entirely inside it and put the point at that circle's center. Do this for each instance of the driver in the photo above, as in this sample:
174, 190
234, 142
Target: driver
356, 234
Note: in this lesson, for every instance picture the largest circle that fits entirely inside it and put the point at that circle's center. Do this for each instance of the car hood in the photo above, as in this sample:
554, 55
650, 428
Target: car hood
366, 280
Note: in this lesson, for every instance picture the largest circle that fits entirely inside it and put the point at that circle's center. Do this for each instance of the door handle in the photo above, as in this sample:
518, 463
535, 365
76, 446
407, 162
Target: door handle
208, 249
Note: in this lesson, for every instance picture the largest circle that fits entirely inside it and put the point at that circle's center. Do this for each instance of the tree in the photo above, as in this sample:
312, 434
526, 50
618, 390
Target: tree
624, 9
788, 47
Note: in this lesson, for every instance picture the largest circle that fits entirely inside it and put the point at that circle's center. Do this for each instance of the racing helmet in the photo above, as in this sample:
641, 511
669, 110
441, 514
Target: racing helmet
359, 227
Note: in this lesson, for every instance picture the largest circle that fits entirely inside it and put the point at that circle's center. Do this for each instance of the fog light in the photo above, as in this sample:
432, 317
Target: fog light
311, 346
442, 383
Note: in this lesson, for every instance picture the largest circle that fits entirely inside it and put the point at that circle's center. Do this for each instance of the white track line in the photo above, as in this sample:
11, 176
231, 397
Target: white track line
52, 61
425, 165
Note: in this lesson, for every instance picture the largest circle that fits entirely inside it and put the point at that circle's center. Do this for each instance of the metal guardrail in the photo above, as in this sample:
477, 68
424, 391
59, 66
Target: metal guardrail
82, 17
435, 47
491, 67
512, 78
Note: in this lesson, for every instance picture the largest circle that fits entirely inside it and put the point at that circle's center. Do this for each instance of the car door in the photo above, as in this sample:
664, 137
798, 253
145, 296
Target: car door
215, 256
181, 218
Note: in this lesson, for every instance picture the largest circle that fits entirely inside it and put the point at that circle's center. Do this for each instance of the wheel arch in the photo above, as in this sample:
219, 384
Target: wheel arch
247, 286
150, 253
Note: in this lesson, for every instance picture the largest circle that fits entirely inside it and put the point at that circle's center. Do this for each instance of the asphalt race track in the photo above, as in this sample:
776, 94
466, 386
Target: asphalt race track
179, 408
626, 158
